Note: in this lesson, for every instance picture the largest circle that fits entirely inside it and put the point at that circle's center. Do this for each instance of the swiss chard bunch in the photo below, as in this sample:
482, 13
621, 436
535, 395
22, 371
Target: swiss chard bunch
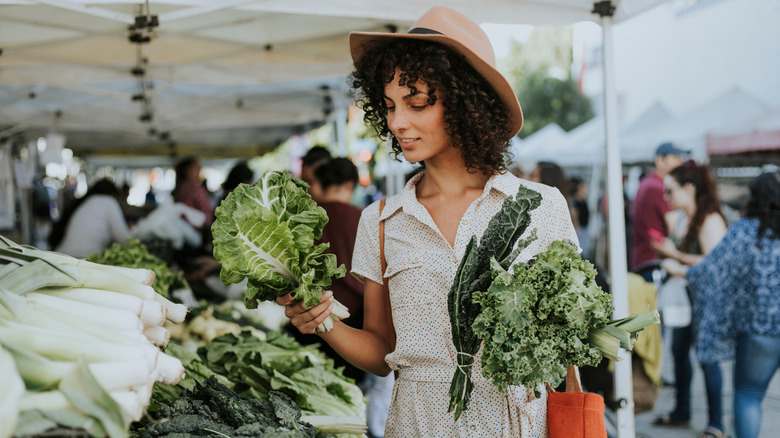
498, 243
546, 314
265, 233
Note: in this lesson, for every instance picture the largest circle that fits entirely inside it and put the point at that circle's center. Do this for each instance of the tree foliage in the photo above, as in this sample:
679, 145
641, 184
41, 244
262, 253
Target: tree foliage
546, 99
540, 72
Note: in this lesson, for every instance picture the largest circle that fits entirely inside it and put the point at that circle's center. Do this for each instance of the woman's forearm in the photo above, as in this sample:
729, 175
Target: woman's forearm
362, 348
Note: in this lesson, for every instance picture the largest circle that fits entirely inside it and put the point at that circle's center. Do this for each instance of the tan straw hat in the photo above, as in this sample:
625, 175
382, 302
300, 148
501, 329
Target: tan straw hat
456, 31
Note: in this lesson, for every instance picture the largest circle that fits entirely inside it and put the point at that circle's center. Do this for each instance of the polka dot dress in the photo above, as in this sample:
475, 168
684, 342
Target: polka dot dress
421, 265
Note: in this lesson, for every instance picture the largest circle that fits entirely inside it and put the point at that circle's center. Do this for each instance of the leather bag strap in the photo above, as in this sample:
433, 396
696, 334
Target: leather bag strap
388, 309
573, 379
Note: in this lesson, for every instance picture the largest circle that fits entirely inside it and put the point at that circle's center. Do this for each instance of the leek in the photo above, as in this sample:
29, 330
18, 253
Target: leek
99, 315
99, 297
11, 390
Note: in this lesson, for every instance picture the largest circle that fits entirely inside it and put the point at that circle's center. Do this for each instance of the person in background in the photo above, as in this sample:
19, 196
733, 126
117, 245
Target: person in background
316, 156
91, 223
206, 264
189, 188
547, 172
191, 191
651, 213
336, 180
239, 174
739, 288
551, 174
579, 205
438, 98
691, 188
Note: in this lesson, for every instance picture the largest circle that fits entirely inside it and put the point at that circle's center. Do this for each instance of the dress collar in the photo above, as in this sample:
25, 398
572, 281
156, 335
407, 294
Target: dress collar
506, 183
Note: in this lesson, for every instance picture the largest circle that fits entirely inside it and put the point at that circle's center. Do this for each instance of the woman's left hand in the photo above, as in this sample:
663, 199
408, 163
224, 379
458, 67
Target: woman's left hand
674, 267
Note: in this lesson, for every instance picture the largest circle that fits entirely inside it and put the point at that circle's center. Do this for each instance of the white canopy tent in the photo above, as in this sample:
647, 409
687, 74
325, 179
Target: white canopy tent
536, 146
582, 145
124, 76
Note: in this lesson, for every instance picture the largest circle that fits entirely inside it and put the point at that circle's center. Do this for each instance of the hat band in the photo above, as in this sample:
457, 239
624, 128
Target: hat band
424, 31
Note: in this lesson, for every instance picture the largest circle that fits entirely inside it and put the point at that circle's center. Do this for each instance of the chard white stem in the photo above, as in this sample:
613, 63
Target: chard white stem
152, 314
99, 297
116, 319
339, 311
175, 312
158, 335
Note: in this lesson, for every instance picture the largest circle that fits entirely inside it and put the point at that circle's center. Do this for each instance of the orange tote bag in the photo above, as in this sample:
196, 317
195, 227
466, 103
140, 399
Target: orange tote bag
575, 414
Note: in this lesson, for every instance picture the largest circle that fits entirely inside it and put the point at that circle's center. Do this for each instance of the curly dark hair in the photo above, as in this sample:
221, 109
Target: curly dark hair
476, 118
764, 204
707, 202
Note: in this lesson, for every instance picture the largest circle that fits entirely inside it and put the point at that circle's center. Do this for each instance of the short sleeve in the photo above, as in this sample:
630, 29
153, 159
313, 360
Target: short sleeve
366, 263
561, 225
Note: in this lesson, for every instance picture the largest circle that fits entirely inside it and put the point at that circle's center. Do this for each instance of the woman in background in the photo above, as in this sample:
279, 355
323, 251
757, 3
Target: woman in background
691, 188
739, 286
91, 223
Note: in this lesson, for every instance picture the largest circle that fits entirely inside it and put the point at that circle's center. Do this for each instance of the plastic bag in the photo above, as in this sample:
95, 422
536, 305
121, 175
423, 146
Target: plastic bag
673, 303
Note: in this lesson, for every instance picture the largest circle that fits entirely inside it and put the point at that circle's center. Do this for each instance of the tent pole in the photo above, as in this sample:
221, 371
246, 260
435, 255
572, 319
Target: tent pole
617, 227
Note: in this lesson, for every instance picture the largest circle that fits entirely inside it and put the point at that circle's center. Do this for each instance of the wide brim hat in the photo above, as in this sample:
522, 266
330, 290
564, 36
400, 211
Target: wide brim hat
456, 31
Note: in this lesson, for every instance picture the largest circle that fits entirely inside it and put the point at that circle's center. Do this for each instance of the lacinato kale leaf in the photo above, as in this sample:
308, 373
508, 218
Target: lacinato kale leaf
212, 408
499, 242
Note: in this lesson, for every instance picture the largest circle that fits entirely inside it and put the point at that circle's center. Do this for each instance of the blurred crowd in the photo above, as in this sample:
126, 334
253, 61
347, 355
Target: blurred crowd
714, 280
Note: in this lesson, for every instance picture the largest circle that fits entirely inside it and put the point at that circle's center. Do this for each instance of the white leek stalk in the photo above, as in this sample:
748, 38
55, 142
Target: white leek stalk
158, 336
71, 347
175, 312
114, 300
99, 315
153, 314
11, 391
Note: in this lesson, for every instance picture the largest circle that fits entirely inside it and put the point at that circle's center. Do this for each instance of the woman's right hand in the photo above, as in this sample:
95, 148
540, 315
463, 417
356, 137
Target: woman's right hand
307, 320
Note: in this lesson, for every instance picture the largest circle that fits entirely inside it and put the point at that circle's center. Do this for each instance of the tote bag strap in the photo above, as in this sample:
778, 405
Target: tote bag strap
573, 379
388, 309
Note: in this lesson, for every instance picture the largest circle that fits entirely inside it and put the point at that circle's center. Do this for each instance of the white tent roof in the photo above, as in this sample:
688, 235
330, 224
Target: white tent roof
730, 112
536, 146
214, 74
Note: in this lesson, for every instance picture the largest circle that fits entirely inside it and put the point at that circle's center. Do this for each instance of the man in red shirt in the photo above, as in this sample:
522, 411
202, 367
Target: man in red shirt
650, 213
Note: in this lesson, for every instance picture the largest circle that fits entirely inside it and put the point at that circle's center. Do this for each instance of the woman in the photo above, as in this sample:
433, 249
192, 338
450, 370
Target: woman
436, 94
189, 189
90, 224
691, 189
740, 288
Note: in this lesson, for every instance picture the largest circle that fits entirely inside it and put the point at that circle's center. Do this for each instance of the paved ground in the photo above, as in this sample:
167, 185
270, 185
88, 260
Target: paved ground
770, 427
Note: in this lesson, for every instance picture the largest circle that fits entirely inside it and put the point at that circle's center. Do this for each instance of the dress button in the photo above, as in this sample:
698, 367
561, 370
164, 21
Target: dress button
473, 427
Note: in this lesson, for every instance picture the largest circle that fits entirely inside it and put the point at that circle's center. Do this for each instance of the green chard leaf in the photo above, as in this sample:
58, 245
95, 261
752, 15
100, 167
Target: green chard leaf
265, 232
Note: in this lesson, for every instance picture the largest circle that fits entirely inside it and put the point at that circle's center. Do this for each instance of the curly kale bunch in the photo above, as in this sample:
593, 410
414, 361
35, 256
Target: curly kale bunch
539, 318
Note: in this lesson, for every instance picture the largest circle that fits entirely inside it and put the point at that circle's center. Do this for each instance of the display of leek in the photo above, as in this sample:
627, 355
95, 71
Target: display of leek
83, 338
